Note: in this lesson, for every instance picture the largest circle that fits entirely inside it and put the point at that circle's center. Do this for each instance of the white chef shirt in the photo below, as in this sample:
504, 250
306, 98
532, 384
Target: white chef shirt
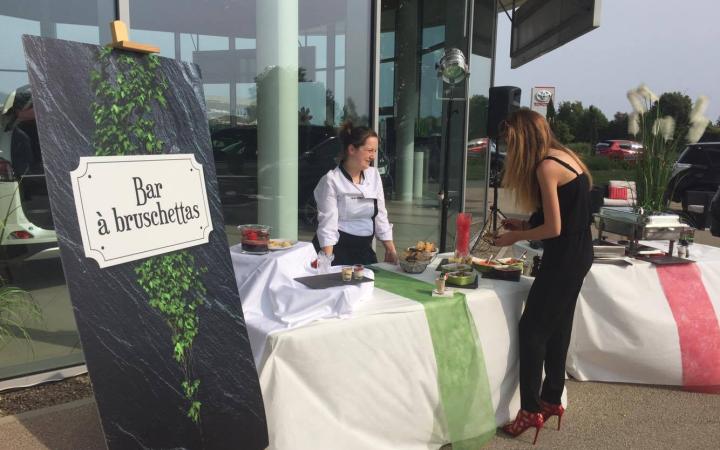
349, 207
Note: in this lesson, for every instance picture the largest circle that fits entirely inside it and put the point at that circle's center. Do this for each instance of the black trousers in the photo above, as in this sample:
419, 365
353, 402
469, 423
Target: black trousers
546, 323
351, 249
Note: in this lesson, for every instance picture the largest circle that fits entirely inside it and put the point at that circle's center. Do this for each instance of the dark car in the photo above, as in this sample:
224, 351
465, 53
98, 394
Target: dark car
697, 169
235, 154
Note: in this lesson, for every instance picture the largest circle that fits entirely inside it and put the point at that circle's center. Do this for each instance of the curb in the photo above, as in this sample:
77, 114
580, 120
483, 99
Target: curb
43, 411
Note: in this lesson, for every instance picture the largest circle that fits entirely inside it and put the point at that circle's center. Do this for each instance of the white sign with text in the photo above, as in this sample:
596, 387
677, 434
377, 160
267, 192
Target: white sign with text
134, 207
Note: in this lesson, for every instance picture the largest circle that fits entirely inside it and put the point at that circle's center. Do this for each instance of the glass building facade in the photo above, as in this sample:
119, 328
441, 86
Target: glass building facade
280, 76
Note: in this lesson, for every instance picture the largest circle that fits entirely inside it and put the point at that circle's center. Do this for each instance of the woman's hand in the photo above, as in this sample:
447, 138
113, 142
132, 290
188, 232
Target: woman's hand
390, 252
391, 257
514, 224
506, 239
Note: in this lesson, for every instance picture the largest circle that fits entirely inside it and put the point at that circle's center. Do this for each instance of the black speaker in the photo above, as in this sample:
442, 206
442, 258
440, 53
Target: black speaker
504, 100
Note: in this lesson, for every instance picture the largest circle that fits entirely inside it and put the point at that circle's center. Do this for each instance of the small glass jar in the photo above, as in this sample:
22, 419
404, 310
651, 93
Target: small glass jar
347, 273
681, 251
440, 284
358, 272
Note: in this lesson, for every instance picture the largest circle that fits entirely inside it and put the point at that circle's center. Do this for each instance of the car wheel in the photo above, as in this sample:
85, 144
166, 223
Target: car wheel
308, 212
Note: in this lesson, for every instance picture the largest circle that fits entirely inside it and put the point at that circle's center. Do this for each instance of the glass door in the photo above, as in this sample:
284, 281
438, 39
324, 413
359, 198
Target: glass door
413, 115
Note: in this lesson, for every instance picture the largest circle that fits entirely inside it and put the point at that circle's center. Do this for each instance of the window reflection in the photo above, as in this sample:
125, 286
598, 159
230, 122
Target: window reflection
29, 257
479, 148
221, 37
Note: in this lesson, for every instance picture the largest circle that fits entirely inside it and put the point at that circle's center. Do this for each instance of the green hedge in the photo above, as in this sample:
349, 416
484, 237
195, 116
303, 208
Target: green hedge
581, 148
603, 163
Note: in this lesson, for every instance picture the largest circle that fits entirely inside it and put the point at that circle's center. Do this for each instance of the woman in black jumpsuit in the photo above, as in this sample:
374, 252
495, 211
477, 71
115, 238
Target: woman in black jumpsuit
558, 184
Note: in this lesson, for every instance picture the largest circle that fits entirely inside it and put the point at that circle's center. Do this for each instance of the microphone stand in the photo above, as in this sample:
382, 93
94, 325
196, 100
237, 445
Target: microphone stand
444, 193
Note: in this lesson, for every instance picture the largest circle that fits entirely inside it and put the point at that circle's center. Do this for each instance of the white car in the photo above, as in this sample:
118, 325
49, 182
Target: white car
26, 227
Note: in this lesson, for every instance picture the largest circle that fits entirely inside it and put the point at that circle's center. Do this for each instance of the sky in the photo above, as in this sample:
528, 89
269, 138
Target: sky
669, 45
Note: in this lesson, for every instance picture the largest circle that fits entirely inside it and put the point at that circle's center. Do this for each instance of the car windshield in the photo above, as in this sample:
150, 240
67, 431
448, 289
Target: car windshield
694, 155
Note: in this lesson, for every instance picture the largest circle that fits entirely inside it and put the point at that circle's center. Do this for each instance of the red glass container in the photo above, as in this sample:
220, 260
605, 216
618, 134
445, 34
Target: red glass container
462, 234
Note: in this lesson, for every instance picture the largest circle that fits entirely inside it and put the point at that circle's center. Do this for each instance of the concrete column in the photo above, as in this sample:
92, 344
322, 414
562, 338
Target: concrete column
418, 172
233, 90
105, 14
330, 111
48, 27
357, 56
406, 95
277, 100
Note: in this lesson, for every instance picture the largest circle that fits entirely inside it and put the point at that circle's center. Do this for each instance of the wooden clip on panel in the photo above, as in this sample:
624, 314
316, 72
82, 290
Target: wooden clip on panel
122, 41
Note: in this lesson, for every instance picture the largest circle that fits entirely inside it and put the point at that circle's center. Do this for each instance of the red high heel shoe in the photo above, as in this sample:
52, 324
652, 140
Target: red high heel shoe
522, 422
549, 409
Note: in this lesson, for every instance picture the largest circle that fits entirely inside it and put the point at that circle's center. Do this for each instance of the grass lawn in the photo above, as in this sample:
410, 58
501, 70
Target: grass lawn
601, 177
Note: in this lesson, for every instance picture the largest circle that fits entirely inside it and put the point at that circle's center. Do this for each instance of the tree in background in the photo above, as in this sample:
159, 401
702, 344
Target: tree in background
591, 124
571, 113
712, 133
617, 128
677, 105
550, 115
562, 131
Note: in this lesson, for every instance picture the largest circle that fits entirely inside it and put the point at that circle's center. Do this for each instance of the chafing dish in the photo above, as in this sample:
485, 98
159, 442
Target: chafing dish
637, 226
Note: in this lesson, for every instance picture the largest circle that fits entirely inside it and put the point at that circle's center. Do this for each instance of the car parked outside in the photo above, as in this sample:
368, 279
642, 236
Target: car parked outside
619, 149
697, 169
27, 231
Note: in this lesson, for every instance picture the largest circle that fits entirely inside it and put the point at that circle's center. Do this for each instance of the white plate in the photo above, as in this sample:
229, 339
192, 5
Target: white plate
273, 248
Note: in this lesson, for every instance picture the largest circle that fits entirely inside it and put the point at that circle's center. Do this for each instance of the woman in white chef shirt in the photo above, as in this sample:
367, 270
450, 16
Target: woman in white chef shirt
351, 203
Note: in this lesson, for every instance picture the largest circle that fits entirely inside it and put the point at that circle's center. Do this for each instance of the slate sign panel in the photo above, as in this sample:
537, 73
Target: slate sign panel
164, 336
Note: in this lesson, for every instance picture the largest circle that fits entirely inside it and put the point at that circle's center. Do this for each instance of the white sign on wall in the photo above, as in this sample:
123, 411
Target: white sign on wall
540, 98
134, 207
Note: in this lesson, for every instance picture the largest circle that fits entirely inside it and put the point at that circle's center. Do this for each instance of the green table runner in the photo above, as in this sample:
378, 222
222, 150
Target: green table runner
462, 376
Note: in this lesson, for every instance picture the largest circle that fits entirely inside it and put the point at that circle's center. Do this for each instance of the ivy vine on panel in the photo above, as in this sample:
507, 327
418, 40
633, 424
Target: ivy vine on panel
123, 126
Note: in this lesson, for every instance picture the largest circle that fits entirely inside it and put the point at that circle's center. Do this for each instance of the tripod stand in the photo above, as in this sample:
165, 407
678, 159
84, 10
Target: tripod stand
490, 227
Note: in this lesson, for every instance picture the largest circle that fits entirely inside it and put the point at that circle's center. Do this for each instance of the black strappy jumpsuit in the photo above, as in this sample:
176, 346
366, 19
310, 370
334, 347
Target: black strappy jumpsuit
546, 322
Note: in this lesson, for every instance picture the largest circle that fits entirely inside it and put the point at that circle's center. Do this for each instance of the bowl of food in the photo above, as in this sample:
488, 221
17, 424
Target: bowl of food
416, 259
461, 278
455, 267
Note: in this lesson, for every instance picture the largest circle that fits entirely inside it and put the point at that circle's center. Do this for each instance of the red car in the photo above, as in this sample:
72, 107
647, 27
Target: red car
619, 149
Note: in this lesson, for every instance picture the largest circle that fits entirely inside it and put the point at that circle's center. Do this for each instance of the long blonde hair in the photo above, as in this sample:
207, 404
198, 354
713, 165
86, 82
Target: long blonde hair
529, 140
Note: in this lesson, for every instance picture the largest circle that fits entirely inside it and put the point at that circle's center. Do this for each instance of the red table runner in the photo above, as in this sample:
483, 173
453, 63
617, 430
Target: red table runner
697, 326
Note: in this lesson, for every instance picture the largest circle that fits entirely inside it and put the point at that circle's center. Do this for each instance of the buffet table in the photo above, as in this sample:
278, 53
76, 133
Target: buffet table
363, 374
649, 324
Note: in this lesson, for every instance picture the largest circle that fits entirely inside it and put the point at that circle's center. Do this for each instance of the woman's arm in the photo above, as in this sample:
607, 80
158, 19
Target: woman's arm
383, 227
326, 200
390, 252
548, 177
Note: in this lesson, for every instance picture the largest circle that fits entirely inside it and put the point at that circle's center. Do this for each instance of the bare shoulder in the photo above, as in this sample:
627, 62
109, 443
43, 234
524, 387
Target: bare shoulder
564, 157
547, 167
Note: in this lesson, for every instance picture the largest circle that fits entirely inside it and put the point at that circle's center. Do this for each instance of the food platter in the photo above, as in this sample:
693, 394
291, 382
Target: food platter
280, 244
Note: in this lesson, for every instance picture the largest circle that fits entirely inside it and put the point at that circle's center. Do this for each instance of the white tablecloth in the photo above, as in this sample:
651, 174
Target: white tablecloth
624, 329
369, 381
273, 300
